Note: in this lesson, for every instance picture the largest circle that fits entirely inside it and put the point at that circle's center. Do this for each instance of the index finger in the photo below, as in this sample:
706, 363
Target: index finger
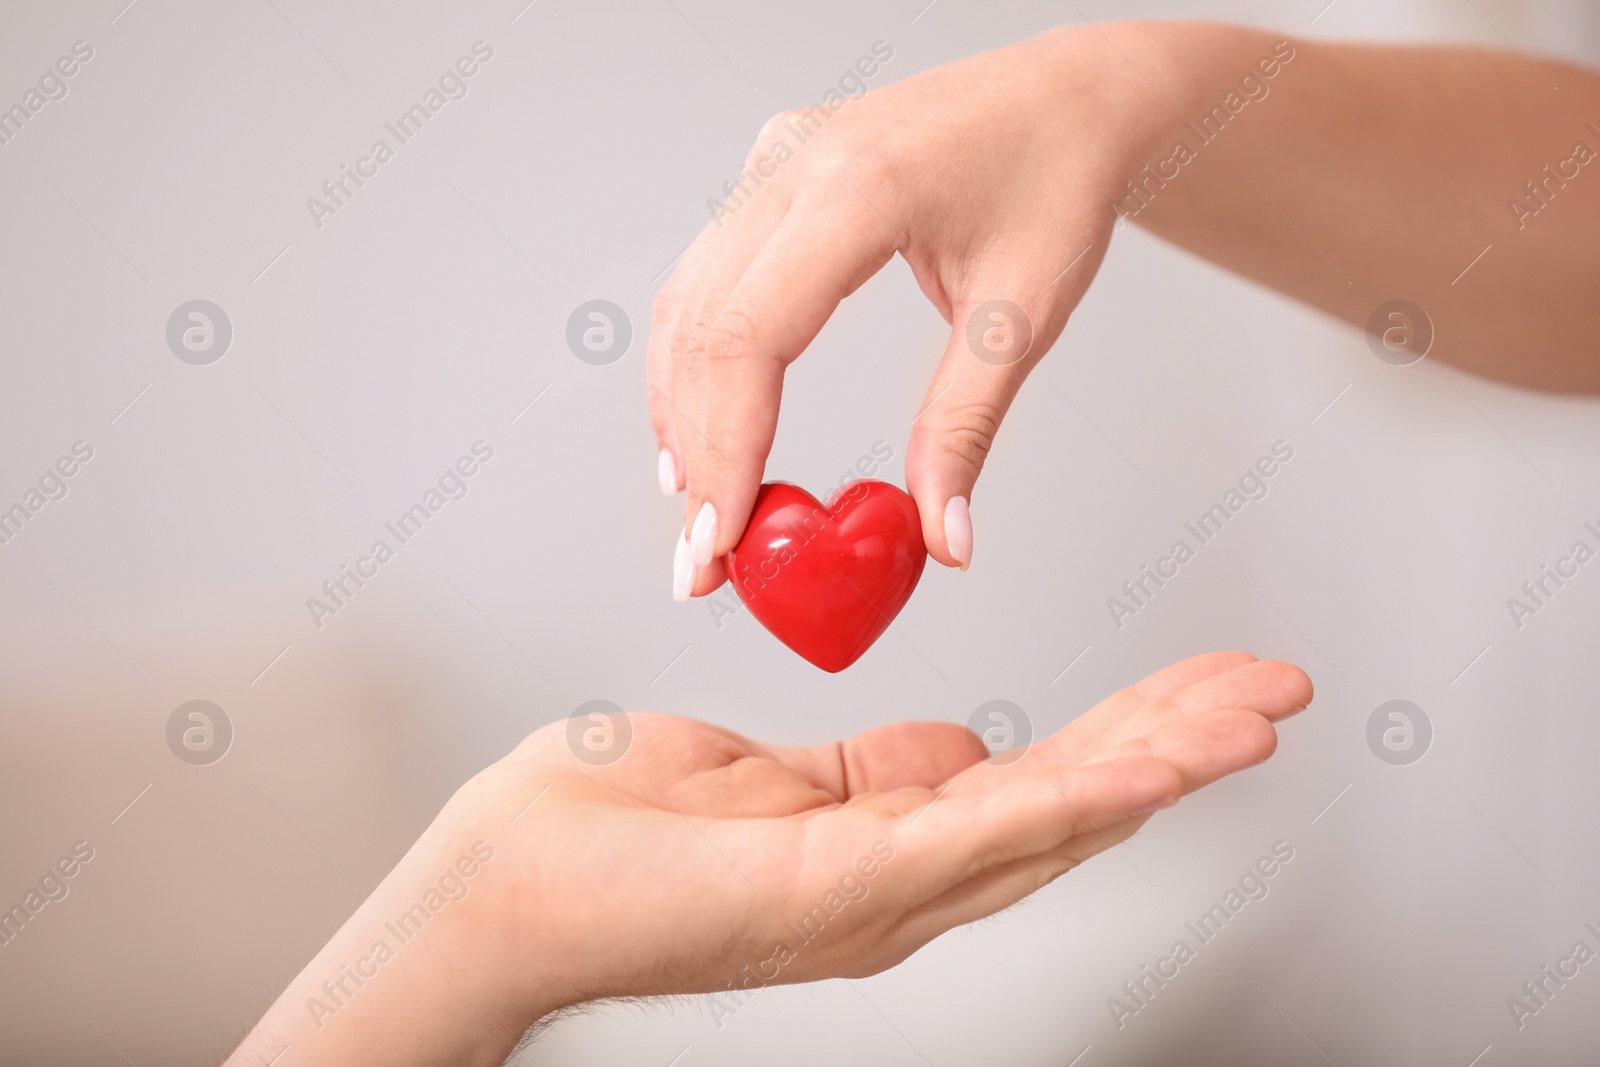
818, 255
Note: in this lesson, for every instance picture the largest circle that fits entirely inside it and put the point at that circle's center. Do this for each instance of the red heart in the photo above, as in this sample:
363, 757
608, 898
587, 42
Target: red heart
828, 579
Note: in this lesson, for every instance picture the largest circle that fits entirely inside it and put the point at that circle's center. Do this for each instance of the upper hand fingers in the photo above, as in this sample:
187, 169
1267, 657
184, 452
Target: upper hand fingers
1273, 688
1268, 688
962, 835
1169, 680
818, 254
1203, 747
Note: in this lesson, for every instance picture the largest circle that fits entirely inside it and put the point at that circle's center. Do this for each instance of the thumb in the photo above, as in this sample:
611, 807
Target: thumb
993, 344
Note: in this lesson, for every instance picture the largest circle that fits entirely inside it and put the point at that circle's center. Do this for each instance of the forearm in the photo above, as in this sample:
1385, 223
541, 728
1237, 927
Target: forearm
402, 981
1359, 174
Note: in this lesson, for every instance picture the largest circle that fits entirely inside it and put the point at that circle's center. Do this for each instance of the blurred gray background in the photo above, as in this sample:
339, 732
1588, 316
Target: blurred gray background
369, 353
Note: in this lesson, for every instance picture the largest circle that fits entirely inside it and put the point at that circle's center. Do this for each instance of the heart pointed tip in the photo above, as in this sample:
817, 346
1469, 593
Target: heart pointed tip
828, 578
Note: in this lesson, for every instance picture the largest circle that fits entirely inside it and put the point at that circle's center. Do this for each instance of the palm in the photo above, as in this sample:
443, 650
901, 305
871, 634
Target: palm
701, 845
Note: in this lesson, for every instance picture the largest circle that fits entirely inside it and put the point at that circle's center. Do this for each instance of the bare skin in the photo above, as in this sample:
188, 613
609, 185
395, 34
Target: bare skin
1363, 175
684, 865
1349, 176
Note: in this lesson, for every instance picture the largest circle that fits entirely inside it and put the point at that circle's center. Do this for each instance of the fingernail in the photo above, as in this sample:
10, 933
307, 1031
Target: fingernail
958, 530
703, 541
667, 472
1157, 804
682, 571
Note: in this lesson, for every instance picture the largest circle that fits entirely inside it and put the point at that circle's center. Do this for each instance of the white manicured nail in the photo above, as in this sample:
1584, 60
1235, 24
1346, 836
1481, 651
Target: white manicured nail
958, 530
703, 541
683, 570
667, 472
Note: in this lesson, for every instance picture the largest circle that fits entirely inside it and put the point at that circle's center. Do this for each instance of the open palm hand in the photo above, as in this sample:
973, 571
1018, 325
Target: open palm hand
700, 859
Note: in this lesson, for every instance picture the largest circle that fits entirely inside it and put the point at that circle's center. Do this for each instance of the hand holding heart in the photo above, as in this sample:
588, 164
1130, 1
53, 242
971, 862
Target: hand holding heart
1021, 222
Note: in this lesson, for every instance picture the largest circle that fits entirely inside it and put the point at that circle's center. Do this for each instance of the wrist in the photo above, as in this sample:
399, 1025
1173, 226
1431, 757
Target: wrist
1206, 77
1114, 92
1142, 82
485, 858
423, 971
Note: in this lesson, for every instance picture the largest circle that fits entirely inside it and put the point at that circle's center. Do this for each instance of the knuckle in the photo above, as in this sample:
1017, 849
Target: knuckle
772, 130
970, 433
773, 147
837, 163
689, 349
851, 161
733, 337
691, 369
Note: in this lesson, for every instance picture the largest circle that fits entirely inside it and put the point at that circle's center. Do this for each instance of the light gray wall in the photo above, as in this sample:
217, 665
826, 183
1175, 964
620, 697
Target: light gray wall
427, 313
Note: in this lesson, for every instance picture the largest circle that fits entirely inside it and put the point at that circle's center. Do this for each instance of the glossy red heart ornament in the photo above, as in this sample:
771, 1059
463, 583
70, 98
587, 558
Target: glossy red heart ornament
828, 579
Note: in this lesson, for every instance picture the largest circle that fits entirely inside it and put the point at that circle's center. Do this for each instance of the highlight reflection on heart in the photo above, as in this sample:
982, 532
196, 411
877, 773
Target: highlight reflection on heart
827, 579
